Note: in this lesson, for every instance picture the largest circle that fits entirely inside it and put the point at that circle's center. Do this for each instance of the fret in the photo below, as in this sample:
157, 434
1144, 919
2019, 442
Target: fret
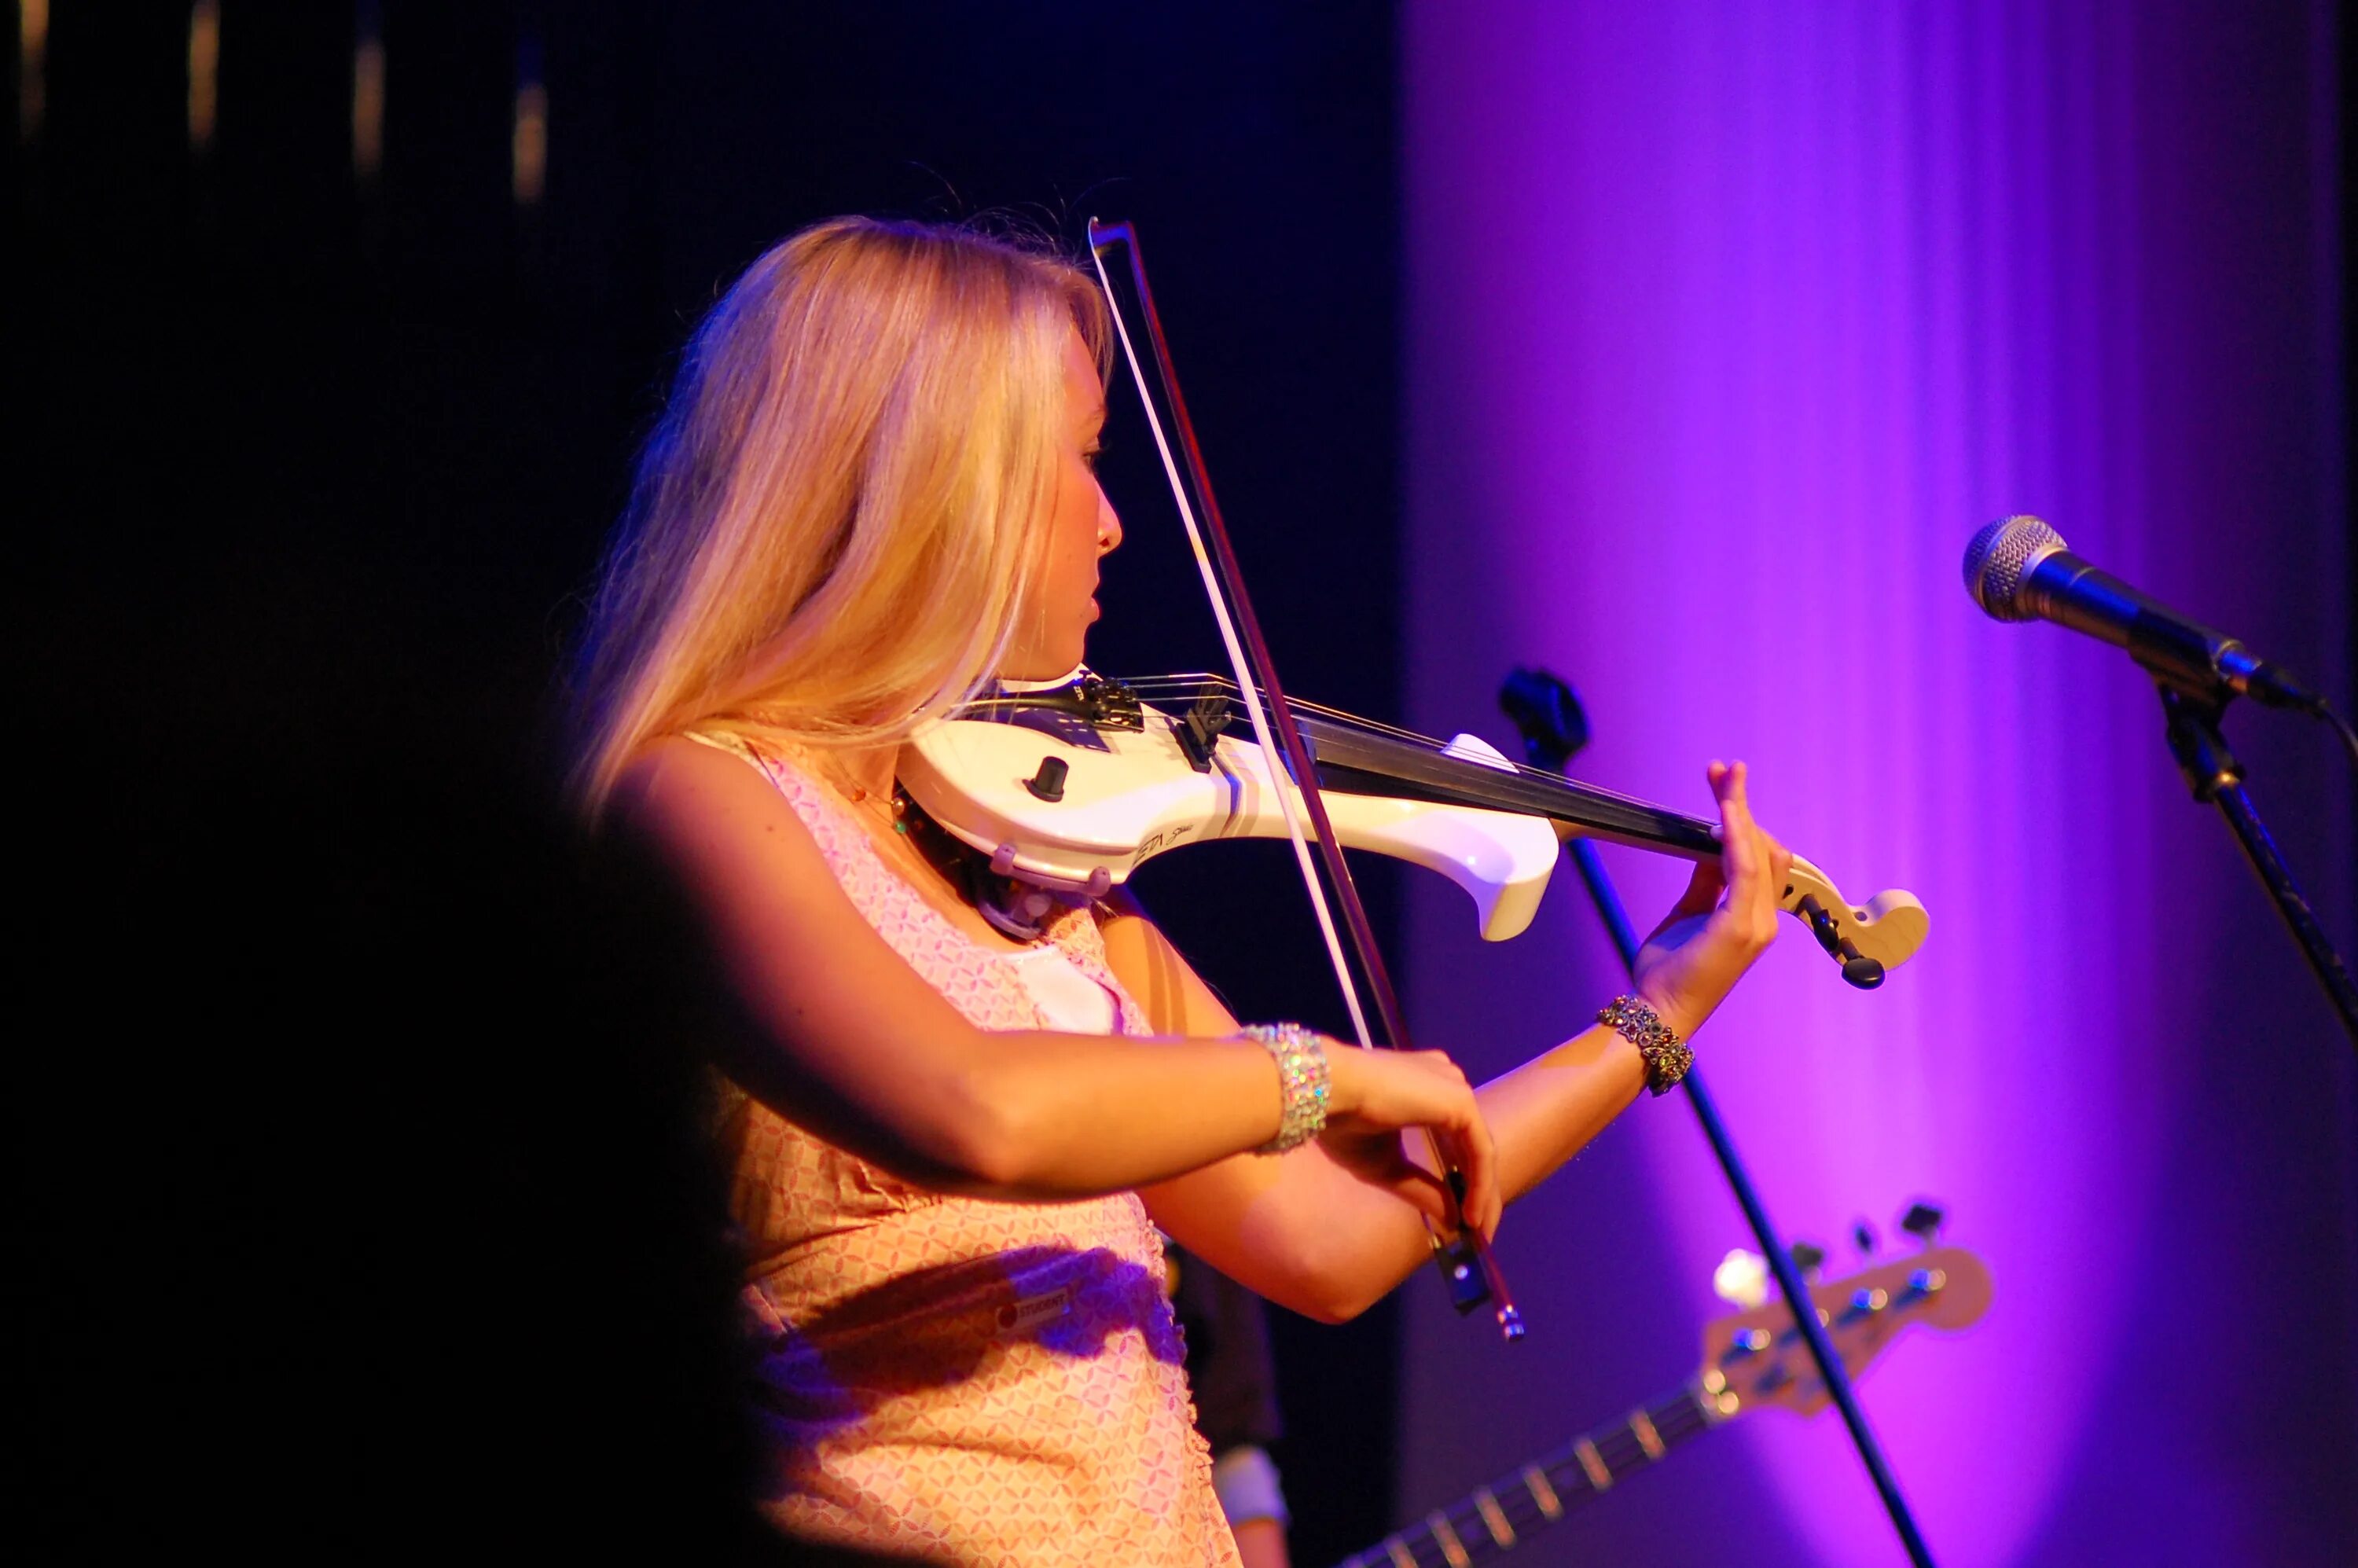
1600, 1477
1486, 1503
1451, 1547
1535, 1482
1399, 1552
1623, 1454
1648, 1440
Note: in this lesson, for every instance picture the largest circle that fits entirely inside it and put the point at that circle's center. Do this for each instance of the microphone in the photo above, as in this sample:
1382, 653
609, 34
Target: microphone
2019, 569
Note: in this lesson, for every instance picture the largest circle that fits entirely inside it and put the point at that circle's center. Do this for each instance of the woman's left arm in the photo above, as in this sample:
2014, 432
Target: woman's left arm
1329, 1228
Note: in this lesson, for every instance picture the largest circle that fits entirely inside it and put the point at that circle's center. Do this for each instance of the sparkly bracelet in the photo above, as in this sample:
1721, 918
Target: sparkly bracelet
1667, 1056
1302, 1080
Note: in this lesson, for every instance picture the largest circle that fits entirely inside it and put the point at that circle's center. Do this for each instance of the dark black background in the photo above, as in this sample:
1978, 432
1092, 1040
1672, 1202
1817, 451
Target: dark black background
353, 1206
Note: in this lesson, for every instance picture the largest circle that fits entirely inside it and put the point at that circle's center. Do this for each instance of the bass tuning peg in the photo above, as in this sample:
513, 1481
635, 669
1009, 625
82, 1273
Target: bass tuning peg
1808, 1259
1923, 1221
1742, 1279
1863, 1237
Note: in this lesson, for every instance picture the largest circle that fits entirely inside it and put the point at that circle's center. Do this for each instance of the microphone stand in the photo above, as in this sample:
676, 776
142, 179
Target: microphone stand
2217, 779
1548, 713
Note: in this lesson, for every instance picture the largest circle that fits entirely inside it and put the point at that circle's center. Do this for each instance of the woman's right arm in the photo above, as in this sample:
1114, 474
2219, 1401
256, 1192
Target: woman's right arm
850, 1042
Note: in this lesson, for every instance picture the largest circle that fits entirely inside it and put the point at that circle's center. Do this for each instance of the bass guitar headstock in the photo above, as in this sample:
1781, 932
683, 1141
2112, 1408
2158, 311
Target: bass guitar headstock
1757, 1356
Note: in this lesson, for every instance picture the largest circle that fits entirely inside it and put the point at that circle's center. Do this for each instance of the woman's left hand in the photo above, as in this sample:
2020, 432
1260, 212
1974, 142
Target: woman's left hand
1724, 921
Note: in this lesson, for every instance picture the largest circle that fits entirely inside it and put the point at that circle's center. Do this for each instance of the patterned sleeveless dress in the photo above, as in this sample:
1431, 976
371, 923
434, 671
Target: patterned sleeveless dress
959, 1379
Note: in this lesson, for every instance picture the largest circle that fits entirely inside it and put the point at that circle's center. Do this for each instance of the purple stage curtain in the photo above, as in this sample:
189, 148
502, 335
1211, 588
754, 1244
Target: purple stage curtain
1728, 323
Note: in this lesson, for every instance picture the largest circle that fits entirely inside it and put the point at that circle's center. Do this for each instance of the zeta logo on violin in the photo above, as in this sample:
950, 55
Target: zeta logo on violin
1156, 843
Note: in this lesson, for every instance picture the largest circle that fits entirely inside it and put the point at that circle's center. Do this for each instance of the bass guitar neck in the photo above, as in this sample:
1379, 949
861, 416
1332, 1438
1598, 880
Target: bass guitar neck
1515, 1507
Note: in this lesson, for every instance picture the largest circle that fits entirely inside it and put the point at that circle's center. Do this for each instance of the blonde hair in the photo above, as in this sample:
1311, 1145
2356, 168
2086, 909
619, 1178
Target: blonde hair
836, 524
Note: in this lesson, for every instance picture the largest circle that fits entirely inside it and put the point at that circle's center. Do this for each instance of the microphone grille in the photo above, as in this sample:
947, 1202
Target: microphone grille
2000, 556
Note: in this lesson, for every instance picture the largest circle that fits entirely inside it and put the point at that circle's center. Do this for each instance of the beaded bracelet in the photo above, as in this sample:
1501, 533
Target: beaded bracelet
1303, 1080
1666, 1055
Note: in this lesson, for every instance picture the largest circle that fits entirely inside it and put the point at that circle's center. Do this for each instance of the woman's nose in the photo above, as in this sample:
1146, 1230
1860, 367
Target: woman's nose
1108, 525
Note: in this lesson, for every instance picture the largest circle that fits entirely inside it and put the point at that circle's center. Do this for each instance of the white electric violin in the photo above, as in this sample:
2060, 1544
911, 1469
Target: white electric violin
1071, 788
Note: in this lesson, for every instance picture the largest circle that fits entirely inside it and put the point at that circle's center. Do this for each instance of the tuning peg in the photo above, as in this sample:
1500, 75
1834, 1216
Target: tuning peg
1923, 1221
1808, 1259
1865, 1302
1923, 1282
1863, 1237
1742, 1279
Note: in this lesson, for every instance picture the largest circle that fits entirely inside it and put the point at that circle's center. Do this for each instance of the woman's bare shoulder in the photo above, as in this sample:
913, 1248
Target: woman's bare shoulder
678, 789
666, 770
1176, 999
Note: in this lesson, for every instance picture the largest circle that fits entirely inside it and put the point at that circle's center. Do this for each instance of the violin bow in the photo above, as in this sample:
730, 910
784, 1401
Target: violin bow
1468, 1267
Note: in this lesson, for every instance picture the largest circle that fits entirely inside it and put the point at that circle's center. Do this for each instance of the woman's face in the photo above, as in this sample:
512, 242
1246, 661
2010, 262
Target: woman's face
1081, 528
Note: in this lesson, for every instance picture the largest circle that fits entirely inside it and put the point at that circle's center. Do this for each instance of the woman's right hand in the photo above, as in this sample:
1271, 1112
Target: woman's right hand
1374, 1095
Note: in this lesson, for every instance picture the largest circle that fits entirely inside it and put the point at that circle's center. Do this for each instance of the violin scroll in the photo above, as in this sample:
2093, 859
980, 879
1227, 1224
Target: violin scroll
1867, 939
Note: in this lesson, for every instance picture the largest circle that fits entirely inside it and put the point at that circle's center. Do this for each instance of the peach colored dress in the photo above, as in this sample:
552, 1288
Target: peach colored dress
959, 1379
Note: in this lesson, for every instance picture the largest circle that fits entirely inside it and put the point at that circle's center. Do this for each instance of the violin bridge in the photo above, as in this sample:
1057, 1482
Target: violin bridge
1199, 731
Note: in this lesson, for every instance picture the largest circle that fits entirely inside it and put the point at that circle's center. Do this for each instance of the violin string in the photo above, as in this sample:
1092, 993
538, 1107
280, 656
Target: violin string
1253, 703
1371, 726
1546, 777
1157, 685
1154, 683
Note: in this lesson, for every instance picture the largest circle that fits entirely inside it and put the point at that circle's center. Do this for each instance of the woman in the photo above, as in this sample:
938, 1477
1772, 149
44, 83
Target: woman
873, 492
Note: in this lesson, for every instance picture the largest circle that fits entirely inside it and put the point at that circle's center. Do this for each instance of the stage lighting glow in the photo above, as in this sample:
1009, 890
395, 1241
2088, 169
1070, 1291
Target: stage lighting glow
204, 72
32, 60
1728, 324
528, 143
368, 98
